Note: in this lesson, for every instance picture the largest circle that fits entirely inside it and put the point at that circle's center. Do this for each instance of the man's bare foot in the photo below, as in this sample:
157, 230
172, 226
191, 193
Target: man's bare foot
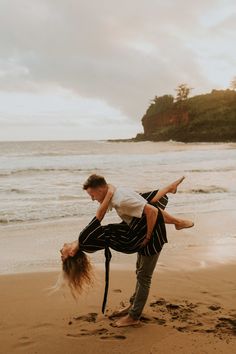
174, 185
126, 321
184, 224
122, 312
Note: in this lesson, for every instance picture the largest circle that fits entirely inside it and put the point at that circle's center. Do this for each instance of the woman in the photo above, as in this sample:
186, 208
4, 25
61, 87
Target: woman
120, 237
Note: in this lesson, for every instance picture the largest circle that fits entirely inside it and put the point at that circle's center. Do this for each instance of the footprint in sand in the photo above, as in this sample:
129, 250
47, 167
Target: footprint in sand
227, 325
171, 307
90, 317
103, 332
214, 307
86, 332
24, 342
160, 321
193, 317
42, 325
117, 290
112, 337
159, 302
146, 319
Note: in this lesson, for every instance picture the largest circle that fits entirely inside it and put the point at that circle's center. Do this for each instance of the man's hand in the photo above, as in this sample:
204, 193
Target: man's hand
145, 241
151, 215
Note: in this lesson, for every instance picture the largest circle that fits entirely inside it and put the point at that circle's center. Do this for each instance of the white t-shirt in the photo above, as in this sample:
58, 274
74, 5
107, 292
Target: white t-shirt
128, 204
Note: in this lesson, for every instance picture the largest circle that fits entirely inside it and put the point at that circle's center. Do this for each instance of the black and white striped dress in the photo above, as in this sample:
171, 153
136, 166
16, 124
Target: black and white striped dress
126, 238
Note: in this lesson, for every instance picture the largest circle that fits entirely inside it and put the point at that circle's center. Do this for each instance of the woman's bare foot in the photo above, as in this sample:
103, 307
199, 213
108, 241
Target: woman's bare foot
122, 312
184, 224
174, 185
126, 321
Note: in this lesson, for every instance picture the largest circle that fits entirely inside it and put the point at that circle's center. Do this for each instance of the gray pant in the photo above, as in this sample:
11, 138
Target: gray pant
144, 269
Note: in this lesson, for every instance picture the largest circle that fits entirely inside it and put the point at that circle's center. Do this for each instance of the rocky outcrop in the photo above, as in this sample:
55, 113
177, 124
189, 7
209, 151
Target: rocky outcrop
209, 117
173, 118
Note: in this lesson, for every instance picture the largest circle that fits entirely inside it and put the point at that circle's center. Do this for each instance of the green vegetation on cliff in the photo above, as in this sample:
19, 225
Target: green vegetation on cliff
205, 118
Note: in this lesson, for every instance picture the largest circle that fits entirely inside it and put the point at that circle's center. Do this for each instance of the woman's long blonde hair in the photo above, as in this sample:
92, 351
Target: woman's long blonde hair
77, 272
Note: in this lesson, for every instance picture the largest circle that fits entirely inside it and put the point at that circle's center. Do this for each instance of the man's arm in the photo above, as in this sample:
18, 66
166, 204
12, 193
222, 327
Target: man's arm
151, 215
104, 205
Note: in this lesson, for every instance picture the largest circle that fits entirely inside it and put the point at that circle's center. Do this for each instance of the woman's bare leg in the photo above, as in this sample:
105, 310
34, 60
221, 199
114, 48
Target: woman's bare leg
168, 218
171, 188
179, 223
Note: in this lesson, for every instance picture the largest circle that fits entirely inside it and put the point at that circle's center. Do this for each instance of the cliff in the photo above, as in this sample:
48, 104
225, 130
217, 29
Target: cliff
205, 118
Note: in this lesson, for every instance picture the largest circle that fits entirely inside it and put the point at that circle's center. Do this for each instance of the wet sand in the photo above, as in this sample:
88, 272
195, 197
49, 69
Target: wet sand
30, 247
191, 308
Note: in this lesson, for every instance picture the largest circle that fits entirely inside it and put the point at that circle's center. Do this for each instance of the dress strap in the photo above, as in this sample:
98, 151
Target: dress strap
108, 256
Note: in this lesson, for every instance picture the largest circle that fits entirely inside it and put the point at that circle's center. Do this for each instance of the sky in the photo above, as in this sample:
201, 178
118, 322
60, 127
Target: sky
82, 69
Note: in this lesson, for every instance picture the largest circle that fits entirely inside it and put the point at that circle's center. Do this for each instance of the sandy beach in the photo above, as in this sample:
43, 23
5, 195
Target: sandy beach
186, 313
191, 308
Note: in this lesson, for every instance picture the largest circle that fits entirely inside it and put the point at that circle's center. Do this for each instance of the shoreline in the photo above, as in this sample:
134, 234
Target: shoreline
140, 140
124, 267
35, 246
27, 223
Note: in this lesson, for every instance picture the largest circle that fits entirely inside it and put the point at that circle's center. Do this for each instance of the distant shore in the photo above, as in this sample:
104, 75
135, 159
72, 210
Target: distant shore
209, 117
121, 140
142, 138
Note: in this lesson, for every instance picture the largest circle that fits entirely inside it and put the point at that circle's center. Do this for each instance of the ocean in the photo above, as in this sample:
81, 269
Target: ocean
43, 204
43, 180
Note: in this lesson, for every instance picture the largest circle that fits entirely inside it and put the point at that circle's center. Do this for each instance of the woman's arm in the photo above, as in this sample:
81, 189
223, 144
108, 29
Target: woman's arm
104, 205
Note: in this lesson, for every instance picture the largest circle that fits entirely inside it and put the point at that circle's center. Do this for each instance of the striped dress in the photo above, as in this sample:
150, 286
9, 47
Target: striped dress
124, 238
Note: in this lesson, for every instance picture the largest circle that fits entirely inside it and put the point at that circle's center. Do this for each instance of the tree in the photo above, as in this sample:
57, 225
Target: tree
182, 92
164, 101
233, 84
160, 104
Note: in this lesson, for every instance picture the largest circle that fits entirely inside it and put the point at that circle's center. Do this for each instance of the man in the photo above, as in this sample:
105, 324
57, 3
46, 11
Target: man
135, 211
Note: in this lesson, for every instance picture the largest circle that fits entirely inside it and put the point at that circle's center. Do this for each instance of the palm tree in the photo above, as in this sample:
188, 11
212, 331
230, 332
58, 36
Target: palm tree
183, 92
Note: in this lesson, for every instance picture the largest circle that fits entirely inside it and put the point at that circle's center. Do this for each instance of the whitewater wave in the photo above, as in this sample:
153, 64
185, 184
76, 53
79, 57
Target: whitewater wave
9, 221
69, 197
205, 190
17, 190
204, 170
43, 169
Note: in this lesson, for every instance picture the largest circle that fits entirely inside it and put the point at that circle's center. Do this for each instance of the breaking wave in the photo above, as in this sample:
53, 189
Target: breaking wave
205, 190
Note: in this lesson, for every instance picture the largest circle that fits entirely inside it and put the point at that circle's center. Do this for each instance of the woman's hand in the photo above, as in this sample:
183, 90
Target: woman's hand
111, 189
69, 250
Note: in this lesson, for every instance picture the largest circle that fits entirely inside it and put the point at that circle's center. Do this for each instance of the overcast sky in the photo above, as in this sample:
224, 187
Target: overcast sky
73, 69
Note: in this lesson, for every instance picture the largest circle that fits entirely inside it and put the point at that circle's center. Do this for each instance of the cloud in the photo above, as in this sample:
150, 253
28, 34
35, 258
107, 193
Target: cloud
122, 53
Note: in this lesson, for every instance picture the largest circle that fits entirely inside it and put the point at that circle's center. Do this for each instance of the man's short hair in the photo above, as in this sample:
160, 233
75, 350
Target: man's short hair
94, 181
